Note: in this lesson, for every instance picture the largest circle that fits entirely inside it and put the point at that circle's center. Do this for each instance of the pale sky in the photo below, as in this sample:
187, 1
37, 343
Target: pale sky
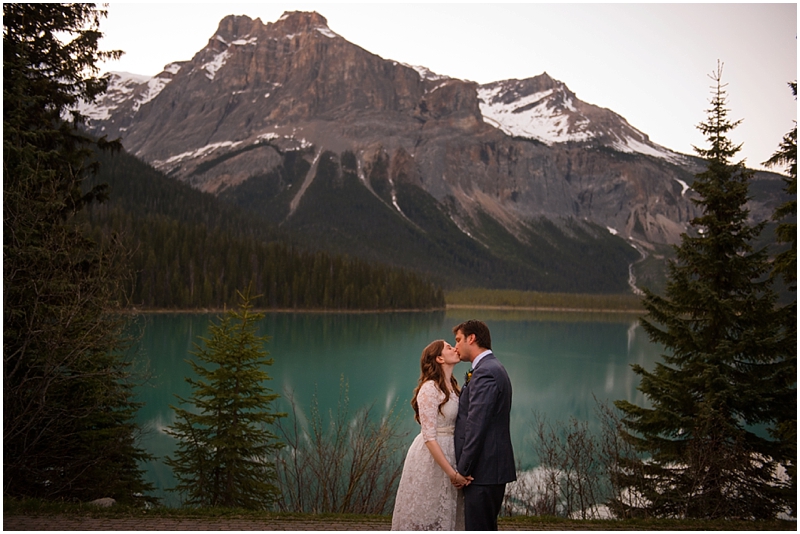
648, 62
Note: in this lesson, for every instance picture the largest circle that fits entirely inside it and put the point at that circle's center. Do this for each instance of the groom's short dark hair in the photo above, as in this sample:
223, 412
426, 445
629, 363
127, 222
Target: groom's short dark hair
482, 336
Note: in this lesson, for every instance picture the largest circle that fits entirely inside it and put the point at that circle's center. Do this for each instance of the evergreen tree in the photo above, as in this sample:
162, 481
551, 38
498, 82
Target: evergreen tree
68, 430
723, 369
785, 265
226, 453
786, 155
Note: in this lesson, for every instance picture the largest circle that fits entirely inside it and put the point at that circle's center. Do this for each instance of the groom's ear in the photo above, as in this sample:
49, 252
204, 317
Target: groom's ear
471, 339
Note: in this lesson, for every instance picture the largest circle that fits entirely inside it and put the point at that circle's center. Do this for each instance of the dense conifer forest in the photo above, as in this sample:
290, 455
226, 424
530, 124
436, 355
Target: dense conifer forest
191, 251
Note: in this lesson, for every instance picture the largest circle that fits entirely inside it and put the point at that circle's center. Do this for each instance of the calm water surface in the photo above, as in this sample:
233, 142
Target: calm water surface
558, 363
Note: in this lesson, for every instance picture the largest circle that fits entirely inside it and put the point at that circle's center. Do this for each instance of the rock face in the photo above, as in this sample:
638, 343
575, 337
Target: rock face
515, 150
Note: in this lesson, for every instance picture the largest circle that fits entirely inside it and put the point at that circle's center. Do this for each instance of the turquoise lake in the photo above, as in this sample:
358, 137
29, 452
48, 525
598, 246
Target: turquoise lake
558, 364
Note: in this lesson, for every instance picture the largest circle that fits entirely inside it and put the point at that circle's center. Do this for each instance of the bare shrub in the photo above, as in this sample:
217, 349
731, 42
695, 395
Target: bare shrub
622, 465
569, 478
347, 465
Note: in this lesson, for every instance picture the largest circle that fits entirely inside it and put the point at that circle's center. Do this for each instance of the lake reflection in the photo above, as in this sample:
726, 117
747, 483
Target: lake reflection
556, 362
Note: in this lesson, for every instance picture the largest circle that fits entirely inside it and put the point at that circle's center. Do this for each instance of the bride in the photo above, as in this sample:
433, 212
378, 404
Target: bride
428, 497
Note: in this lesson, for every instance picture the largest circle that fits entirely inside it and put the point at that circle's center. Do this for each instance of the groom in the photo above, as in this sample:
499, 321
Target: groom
482, 434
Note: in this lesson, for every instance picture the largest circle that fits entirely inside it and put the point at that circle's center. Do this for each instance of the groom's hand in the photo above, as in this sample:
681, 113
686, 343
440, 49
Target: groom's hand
459, 480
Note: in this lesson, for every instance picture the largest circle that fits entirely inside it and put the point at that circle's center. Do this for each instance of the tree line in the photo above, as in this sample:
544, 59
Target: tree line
179, 265
189, 250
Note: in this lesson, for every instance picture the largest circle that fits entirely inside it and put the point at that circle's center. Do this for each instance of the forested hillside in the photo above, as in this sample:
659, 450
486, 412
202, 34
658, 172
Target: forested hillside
190, 250
407, 227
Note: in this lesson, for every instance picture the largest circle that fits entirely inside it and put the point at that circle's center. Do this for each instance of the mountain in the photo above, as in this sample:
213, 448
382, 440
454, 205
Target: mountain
516, 183
190, 250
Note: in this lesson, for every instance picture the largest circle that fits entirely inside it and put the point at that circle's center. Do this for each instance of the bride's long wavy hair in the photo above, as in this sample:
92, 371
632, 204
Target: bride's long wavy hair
430, 369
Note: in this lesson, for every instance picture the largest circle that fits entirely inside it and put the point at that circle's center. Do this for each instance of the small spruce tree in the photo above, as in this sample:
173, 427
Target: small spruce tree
723, 366
226, 452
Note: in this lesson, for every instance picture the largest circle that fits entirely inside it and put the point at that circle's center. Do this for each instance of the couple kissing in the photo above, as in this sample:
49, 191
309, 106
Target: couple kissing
457, 468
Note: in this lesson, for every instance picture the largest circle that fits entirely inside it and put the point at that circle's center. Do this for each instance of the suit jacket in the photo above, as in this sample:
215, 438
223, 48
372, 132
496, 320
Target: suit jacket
482, 433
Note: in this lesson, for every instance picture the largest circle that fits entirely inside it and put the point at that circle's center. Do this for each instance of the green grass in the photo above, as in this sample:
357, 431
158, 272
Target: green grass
557, 523
510, 298
35, 507
14, 507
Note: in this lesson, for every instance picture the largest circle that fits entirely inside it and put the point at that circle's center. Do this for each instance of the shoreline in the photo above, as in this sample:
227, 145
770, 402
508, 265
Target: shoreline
155, 311
544, 309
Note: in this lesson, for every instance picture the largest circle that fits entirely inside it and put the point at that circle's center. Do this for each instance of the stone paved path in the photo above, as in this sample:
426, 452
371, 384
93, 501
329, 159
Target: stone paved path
66, 523
306, 523
39, 523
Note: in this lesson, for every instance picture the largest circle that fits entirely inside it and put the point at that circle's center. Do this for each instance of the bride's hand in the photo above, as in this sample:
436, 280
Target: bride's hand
459, 481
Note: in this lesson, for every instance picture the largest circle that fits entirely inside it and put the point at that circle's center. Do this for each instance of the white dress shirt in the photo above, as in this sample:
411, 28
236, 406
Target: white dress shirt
479, 357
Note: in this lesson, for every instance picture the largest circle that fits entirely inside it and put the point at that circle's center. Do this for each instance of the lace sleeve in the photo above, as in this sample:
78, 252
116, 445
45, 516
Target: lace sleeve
428, 399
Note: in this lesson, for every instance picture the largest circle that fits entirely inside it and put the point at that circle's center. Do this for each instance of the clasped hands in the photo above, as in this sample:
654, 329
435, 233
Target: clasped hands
459, 480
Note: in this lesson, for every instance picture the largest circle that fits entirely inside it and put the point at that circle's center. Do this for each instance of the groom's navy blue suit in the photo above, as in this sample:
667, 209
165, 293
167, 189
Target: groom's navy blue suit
483, 442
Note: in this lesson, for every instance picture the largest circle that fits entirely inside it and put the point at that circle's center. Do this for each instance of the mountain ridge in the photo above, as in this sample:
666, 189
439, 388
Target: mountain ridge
512, 153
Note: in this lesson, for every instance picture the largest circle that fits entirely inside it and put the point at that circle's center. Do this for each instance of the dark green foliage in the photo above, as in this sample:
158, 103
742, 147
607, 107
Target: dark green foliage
68, 430
785, 266
193, 251
226, 452
786, 155
725, 368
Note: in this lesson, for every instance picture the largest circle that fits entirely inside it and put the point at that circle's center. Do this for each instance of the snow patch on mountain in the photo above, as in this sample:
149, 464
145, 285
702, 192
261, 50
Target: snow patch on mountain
192, 154
215, 64
154, 87
124, 87
630, 145
125, 79
552, 114
684, 186
425, 73
326, 32
535, 116
244, 41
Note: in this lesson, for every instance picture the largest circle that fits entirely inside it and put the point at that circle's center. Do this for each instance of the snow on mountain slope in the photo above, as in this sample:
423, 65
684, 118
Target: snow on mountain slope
534, 116
127, 90
545, 110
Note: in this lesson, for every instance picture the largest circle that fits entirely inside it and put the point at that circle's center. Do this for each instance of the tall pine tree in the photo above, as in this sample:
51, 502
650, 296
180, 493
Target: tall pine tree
68, 430
723, 367
785, 266
226, 452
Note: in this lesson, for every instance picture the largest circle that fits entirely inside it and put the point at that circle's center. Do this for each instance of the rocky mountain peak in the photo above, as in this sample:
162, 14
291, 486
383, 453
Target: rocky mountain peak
258, 92
300, 21
235, 27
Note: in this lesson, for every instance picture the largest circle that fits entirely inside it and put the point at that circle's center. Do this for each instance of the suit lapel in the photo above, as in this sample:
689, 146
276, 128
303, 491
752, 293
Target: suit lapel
466, 382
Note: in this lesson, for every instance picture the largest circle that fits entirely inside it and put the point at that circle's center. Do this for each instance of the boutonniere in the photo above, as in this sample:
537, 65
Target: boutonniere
467, 377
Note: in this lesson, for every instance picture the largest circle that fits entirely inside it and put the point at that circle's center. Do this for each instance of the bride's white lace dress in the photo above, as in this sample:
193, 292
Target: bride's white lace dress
426, 499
